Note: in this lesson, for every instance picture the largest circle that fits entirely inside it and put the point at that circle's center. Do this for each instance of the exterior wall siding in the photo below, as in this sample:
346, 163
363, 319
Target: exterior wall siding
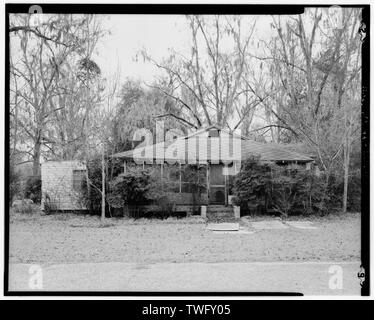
187, 199
57, 184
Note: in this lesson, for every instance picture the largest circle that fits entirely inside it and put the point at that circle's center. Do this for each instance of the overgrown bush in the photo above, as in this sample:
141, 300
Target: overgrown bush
336, 189
277, 188
196, 176
252, 184
33, 188
297, 191
138, 187
354, 192
129, 188
91, 195
160, 193
14, 183
92, 201
24, 206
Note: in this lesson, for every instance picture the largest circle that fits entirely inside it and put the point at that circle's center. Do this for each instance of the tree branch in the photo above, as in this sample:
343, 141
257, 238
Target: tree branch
37, 33
178, 118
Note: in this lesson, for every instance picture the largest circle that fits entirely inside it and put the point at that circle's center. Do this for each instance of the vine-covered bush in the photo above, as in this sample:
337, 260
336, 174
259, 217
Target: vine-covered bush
252, 184
160, 193
297, 191
336, 189
14, 183
129, 188
138, 187
282, 189
93, 200
33, 188
354, 191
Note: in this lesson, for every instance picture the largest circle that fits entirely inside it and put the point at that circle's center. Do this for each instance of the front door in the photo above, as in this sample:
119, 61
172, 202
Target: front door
217, 185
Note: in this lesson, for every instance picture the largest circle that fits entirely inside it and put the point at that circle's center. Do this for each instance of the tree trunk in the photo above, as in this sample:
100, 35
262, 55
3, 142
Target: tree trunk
102, 187
88, 188
86, 129
346, 175
36, 159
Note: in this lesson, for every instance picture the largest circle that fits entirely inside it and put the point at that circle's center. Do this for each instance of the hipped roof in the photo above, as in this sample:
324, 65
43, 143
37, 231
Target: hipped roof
196, 143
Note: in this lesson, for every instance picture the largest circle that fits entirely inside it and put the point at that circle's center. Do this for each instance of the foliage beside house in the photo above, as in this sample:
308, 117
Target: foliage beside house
287, 190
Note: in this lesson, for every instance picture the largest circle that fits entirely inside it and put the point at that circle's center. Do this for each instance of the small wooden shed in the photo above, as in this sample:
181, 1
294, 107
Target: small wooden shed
62, 185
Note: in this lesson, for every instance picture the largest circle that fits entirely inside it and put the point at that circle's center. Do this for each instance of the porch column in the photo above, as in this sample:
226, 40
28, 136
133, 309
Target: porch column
124, 167
180, 177
162, 175
226, 171
207, 181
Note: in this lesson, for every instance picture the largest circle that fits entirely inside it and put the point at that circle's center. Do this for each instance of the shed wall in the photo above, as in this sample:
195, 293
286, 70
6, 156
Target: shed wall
57, 184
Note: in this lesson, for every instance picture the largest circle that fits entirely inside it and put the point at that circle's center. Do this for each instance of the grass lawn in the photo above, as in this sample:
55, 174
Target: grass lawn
70, 238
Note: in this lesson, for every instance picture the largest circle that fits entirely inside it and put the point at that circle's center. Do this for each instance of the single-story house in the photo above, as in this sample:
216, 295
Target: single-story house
218, 151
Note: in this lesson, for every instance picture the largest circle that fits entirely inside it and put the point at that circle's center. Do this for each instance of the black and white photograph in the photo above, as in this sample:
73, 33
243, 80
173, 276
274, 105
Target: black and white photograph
204, 150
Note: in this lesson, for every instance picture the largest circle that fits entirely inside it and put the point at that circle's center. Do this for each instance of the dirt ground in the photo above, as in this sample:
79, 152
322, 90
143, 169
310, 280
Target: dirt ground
68, 238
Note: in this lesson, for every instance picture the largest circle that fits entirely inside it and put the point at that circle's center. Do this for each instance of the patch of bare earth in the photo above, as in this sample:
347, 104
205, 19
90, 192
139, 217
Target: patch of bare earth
69, 238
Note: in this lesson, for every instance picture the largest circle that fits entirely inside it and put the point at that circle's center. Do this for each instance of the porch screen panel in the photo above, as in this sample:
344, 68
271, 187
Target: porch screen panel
216, 175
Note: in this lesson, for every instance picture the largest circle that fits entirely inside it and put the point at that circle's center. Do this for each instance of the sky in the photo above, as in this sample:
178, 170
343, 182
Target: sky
131, 33
117, 51
157, 33
128, 34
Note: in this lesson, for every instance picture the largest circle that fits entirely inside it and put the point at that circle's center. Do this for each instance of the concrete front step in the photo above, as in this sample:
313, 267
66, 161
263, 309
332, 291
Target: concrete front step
216, 208
217, 219
220, 212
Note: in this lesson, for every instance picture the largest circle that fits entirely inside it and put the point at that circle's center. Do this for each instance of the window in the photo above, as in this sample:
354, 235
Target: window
78, 178
193, 179
172, 174
213, 133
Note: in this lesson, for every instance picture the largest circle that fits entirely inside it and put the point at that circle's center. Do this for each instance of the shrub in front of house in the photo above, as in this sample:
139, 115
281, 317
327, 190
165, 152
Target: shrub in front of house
251, 186
297, 191
269, 188
160, 194
129, 189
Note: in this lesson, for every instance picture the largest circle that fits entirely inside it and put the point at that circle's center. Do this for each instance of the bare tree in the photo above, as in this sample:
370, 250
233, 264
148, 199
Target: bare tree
317, 84
208, 85
39, 55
